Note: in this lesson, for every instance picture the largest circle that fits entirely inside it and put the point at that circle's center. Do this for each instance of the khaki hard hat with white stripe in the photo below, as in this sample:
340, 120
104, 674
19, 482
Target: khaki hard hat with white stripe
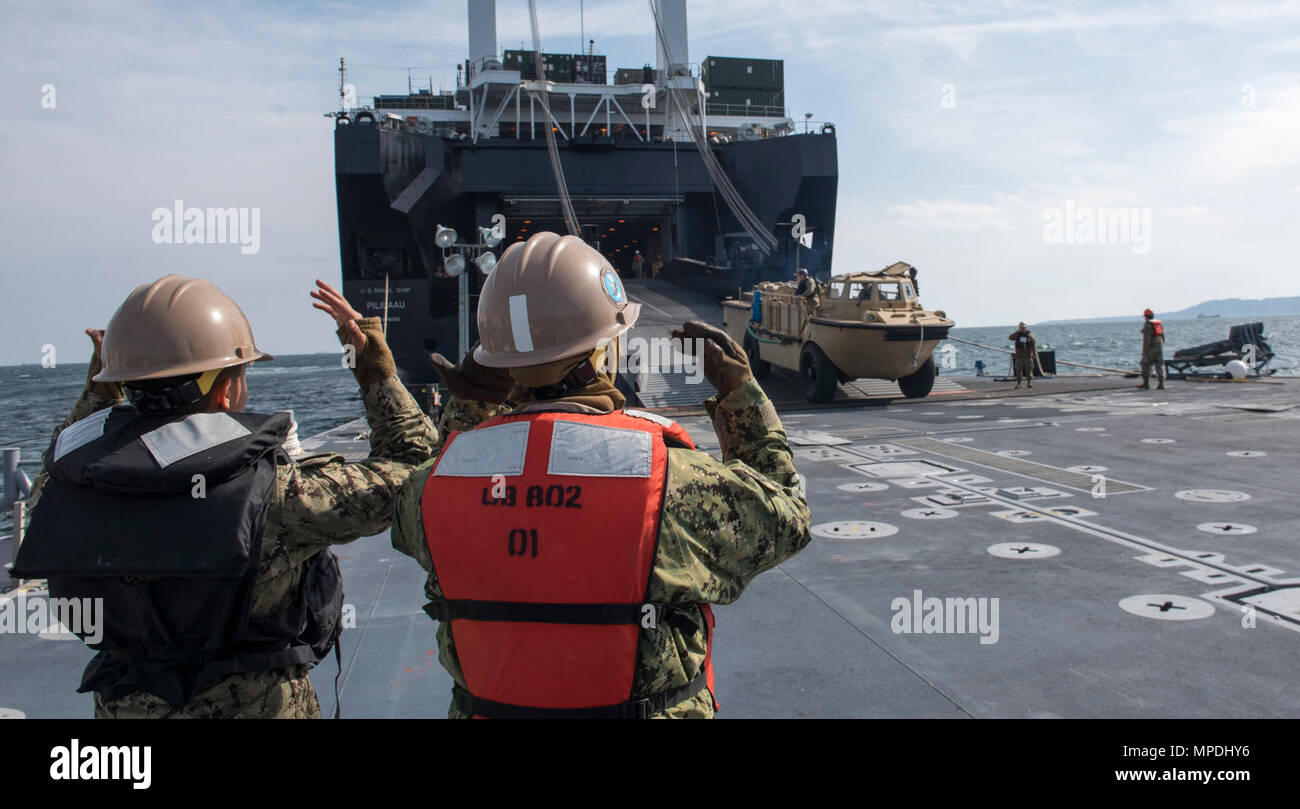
176, 326
549, 298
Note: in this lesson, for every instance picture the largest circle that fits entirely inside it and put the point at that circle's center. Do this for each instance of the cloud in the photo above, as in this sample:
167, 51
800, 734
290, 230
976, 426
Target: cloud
221, 105
963, 217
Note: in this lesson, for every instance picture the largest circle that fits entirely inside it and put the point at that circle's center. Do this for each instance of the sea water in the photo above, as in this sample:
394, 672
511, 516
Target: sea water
323, 394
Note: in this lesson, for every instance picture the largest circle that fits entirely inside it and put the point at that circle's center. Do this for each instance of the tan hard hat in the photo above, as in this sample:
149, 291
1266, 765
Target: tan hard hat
176, 326
549, 298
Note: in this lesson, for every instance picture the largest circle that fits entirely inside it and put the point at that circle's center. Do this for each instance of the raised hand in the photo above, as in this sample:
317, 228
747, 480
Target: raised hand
725, 364
329, 301
97, 337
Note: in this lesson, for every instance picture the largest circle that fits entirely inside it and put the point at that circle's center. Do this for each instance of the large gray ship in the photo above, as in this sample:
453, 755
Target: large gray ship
639, 158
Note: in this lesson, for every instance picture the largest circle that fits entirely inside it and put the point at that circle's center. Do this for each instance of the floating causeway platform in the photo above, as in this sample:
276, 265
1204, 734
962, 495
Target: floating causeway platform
1141, 546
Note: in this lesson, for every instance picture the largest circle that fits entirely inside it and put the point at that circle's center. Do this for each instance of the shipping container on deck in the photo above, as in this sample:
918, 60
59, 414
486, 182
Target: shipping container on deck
725, 72
559, 67
635, 75
589, 68
757, 98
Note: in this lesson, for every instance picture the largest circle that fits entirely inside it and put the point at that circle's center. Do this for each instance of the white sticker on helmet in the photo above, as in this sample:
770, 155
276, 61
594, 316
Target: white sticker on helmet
519, 323
190, 436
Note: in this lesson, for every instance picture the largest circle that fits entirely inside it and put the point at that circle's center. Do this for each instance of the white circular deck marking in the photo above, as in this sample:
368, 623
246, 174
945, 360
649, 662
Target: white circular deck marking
854, 529
12, 713
1087, 469
935, 513
1013, 453
959, 440
1023, 550
864, 486
1212, 496
1158, 441
1237, 528
1246, 453
1164, 607
1090, 429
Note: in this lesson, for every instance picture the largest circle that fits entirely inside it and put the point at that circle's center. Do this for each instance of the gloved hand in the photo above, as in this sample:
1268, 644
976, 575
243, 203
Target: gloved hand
372, 360
473, 381
108, 390
725, 364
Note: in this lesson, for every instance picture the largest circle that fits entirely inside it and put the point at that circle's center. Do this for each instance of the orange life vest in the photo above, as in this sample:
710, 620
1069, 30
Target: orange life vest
542, 529
1159, 330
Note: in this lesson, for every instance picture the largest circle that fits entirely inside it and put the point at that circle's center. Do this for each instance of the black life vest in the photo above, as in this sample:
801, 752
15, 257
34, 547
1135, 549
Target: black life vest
121, 520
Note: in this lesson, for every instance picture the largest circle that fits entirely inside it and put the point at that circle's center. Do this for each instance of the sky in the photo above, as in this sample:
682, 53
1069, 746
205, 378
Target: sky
976, 142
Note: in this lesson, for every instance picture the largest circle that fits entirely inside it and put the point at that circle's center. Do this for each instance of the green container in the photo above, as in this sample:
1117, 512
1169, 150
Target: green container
521, 61
589, 69
559, 66
725, 72
629, 75
756, 98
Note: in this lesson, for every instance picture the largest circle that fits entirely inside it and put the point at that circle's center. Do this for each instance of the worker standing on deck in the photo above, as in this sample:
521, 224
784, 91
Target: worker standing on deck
1023, 360
638, 264
1153, 351
806, 289
208, 546
805, 286
574, 547
911, 274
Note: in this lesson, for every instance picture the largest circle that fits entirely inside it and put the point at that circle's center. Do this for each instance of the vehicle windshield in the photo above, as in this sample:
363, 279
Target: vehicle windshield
837, 289
859, 291
908, 292
888, 292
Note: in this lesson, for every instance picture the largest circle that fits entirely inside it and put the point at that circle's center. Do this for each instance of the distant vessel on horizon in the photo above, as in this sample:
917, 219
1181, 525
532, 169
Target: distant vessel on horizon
1203, 315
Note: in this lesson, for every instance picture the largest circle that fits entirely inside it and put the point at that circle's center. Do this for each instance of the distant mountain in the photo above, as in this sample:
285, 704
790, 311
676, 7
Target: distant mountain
1224, 307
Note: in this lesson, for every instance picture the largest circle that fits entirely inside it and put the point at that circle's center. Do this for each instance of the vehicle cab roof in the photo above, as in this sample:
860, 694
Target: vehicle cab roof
896, 271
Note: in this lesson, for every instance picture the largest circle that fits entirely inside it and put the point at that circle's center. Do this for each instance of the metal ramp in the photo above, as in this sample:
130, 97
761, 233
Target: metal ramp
657, 390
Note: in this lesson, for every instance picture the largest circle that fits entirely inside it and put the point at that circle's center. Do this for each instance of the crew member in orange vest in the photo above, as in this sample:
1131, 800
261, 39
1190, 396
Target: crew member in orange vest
1153, 351
574, 546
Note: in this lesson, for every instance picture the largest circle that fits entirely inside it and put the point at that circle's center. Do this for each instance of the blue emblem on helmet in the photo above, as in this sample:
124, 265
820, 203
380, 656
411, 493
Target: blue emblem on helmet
613, 286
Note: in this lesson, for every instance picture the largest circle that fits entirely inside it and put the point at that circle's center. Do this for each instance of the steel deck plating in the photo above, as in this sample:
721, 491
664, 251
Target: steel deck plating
1177, 593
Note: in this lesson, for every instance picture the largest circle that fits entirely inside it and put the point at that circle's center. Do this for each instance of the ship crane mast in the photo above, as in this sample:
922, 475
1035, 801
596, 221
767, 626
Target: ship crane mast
566, 202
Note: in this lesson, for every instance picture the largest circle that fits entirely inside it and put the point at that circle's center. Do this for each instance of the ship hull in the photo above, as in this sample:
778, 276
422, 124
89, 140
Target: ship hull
395, 187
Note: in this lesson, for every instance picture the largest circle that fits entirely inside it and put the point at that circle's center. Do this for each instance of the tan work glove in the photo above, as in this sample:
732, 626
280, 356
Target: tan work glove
473, 381
725, 364
373, 361
107, 390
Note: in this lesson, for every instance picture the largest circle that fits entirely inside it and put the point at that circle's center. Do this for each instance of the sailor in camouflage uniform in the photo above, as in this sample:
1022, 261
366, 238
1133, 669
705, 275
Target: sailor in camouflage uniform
722, 522
310, 505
